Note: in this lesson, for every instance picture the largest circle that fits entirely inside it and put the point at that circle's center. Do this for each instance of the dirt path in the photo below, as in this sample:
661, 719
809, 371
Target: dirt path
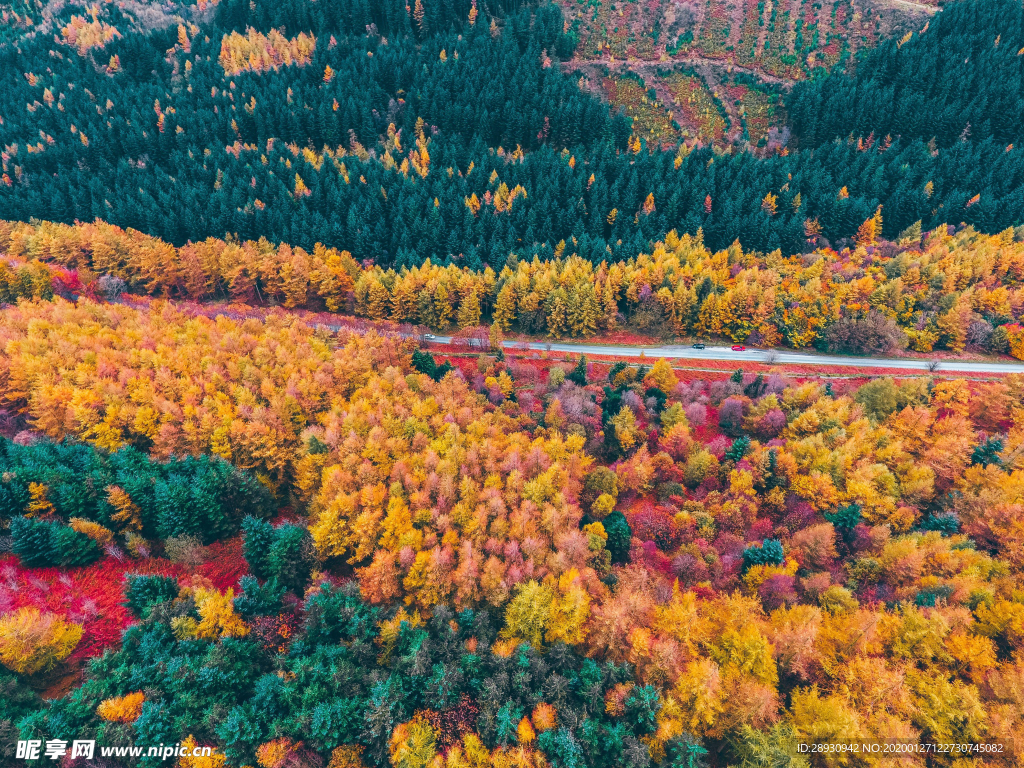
644, 66
929, 9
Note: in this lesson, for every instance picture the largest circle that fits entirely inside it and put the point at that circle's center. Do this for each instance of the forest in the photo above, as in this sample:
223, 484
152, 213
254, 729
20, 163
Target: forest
368, 131
951, 82
326, 556
940, 290
249, 505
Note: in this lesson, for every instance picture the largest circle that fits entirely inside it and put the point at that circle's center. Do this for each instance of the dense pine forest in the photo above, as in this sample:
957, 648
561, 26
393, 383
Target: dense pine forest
451, 133
959, 80
252, 514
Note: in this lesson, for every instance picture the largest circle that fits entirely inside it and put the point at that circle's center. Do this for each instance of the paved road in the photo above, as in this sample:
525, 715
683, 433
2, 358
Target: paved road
777, 357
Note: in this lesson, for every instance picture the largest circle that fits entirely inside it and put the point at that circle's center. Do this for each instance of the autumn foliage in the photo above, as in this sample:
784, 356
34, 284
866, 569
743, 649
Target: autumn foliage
123, 709
85, 34
180, 399
944, 290
670, 566
32, 641
248, 503
256, 52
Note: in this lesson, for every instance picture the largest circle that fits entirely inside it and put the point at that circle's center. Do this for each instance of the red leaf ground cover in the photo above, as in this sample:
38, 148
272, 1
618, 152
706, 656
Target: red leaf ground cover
93, 596
225, 564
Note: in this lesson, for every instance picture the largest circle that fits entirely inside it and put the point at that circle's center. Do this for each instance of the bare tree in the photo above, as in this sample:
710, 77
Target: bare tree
875, 334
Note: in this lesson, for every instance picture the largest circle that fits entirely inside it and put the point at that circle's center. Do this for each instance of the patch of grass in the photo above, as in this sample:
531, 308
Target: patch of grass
698, 109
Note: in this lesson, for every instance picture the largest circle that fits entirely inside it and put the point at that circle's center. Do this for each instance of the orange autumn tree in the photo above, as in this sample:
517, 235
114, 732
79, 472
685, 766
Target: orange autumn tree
84, 34
781, 299
212, 268
122, 709
1015, 337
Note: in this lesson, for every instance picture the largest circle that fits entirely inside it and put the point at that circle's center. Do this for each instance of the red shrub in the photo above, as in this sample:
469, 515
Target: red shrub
92, 596
761, 529
690, 569
450, 725
778, 590
703, 592
274, 633
648, 555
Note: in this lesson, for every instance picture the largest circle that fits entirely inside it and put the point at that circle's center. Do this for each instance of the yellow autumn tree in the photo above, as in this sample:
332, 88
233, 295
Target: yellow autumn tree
505, 307
412, 744
661, 376
127, 514
189, 758
525, 733
443, 311
418, 14
32, 641
528, 614
347, 756
469, 311
626, 431
256, 52
495, 337
217, 615
569, 612
648, 206
39, 505
122, 709
92, 529
1015, 337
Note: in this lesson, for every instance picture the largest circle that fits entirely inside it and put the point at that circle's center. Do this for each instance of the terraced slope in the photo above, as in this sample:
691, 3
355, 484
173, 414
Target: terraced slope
713, 70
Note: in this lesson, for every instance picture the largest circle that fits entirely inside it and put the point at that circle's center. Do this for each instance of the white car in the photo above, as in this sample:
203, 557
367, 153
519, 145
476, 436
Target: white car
429, 336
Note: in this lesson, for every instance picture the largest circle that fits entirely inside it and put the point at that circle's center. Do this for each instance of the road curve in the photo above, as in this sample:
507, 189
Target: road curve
771, 357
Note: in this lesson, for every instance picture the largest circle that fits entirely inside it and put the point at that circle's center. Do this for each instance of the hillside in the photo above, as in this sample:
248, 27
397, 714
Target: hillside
496, 562
783, 40
949, 83
380, 143
719, 70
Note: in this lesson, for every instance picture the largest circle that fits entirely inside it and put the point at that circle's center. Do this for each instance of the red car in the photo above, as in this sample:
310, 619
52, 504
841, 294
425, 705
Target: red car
739, 348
